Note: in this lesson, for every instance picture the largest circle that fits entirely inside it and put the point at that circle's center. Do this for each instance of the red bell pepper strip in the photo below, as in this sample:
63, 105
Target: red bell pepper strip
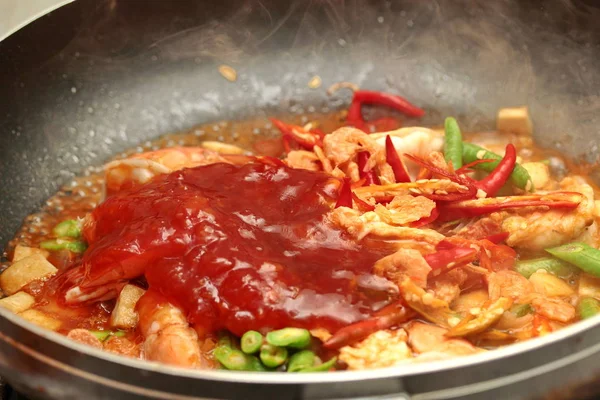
393, 159
363, 205
492, 183
426, 220
370, 177
445, 260
345, 196
390, 100
469, 193
305, 139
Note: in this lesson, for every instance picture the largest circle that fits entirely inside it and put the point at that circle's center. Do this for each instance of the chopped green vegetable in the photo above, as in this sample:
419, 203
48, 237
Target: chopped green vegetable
521, 310
273, 356
519, 177
301, 360
588, 307
103, 335
251, 342
69, 228
581, 255
551, 265
63, 244
453, 144
289, 337
326, 366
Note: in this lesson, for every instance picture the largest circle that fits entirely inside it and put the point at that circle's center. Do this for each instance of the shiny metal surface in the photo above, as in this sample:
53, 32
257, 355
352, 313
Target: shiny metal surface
111, 74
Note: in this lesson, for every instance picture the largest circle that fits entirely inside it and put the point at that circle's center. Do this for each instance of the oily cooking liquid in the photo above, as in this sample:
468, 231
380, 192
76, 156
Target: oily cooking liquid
239, 247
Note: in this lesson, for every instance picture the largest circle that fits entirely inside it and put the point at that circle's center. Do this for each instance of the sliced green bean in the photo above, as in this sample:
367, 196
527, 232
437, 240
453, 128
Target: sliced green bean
326, 366
251, 342
301, 360
521, 310
273, 356
62, 244
519, 177
69, 228
295, 338
553, 266
103, 335
453, 143
588, 307
579, 254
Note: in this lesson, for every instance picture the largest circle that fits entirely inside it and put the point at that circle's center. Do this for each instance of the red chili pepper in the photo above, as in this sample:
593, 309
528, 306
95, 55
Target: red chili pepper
445, 260
492, 183
295, 133
363, 205
370, 177
496, 257
392, 158
390, 100
465, 168
446, 244
358, 183
355, 117
498, 237
469, 193
385, 318
426, 220
475, 208
345, 196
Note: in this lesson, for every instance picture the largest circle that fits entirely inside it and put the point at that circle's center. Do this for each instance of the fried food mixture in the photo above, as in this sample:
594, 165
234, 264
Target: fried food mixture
369, 246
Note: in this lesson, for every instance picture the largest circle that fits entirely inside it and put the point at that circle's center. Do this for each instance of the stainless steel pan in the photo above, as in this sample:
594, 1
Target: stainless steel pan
94, 77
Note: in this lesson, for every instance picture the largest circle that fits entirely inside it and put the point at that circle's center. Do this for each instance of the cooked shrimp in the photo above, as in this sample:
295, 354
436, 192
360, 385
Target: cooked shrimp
168, 337
403, 263
303, 159
431, 343
344, 144
509, 284
537, 230
140, 168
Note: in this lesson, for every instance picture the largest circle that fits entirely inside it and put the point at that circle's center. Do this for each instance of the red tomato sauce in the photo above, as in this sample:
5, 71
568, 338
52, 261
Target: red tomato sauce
239, 248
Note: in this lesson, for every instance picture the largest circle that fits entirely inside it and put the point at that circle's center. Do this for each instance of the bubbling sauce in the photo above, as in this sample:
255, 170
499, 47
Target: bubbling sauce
239, 248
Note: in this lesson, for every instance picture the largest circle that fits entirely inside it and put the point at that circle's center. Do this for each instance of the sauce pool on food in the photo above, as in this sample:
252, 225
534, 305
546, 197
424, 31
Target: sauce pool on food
238, 248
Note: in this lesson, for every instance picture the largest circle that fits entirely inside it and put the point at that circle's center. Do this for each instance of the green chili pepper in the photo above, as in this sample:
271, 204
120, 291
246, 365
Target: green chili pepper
103, 335
68, 228
453, 144
588, 307
581, 255
251, 342
63, 244
521, 310
326, 366
519, 177
273, 356
301, 360
551, 265
289, 337
234, 359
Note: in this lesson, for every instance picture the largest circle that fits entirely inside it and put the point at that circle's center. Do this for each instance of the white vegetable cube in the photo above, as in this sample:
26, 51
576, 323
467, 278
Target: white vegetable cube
539, 173
41, 319
25, 271
124, 315
22, 252
18, 302
514, 120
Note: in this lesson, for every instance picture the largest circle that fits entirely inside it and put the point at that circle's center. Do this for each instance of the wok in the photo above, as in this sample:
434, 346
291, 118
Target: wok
94, 77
